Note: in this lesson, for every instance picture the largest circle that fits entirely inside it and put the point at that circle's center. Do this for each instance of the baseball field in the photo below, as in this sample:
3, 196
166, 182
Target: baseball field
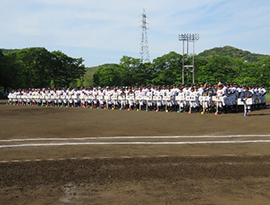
89, 156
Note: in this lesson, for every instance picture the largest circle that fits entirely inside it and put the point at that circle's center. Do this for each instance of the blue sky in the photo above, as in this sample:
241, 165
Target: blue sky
103, 31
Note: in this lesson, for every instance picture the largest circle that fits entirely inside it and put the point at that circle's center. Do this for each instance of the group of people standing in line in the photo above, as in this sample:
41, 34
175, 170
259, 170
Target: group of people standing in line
190, 98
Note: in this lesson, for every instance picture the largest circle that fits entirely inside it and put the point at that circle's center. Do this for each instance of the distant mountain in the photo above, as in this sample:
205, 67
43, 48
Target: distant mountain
232, 52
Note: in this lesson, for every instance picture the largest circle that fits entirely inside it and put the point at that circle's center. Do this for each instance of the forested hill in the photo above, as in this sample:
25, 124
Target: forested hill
232, 52
5, 51
218, 51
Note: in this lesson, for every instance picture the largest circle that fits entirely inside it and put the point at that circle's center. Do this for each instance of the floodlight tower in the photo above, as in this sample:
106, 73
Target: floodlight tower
188, 38
144, 52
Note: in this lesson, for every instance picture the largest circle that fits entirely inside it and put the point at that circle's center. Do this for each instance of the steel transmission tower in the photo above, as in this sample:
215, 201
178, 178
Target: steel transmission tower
144, 52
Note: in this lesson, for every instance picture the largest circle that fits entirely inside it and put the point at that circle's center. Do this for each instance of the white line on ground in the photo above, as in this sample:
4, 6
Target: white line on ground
130, 137
133, 143
129, 157
15, 161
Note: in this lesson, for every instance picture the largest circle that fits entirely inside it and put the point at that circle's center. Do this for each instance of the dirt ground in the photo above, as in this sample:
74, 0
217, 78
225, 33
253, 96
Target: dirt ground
89, 156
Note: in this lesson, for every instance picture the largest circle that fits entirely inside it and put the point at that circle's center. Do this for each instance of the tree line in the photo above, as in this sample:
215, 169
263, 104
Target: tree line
167, 70
38, 68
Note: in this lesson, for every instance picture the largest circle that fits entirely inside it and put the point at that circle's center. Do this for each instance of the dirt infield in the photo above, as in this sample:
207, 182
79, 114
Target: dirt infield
87, 156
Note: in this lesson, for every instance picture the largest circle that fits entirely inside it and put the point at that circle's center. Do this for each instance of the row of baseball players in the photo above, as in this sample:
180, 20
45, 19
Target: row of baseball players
227, 93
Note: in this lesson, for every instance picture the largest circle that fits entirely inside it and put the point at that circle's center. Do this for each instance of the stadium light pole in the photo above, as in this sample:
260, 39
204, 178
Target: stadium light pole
188, 38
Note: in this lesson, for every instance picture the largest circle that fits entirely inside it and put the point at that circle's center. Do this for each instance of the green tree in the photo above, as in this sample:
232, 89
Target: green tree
218, 68
37, 67
11, 78
64, 69
8, 72
108, 75
88, 78
33, 64
133, 71
167, 69
199, 65
264, 72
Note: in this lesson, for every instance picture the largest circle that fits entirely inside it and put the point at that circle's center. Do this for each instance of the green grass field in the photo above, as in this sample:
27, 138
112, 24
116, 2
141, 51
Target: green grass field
3, 100
268, 96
